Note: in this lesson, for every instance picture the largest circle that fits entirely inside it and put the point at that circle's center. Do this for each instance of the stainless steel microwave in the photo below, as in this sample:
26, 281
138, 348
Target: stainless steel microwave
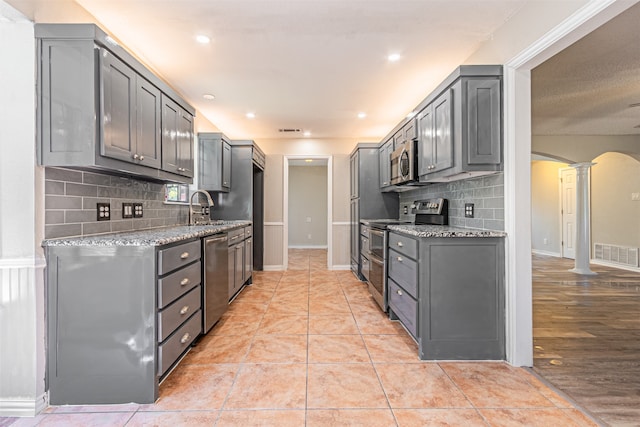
404, 169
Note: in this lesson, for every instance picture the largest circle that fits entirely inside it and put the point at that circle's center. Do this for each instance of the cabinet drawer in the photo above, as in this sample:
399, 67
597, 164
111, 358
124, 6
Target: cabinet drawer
179, 342
404, 306
248, 232
236, 236
365, 267
403, 244
173, 315
364, 230
177, 283
404, 271
177, 256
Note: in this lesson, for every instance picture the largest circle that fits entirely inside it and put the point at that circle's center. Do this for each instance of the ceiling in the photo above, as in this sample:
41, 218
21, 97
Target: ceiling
587, 89
311, 65
314, 65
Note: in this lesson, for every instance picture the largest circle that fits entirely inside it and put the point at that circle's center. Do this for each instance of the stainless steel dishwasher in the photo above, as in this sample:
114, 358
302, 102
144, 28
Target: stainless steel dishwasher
215, 294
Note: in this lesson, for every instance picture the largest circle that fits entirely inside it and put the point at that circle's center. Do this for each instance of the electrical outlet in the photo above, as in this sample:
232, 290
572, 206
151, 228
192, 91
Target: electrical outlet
309, 236
405, 209
468, 210
545, 241
635, 196
308, 219
103, 211
127, 210
137, 210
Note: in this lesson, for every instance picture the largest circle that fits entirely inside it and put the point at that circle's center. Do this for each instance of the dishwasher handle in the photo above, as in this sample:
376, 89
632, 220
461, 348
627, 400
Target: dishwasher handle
215, 240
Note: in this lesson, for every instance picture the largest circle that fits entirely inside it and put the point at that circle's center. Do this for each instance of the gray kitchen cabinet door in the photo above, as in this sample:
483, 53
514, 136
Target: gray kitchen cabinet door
354, 174
148, 118
185, 144
239, 266
436, 135
177, 139
248, 259
118, 108
226, 165
232, 270
214, 160
484, 121
385, 163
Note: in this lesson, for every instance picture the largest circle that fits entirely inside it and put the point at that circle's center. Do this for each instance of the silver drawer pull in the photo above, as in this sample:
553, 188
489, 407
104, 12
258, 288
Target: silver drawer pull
141, 158
399, 292
184, 255
185, 281
184, 309
399, 259
135, 157
400, 244
186, 337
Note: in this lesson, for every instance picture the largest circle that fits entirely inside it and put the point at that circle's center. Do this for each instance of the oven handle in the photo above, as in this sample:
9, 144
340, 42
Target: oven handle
373, 258
376, 232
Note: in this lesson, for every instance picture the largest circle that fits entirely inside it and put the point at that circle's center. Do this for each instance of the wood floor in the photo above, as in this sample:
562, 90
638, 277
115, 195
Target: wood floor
587, 337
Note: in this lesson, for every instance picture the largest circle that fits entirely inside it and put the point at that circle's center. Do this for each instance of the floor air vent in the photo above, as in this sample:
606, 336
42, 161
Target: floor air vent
617, 254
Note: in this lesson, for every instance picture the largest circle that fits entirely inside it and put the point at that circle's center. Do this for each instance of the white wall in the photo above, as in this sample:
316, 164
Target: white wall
545, 207
615, 217
22, 332
308, 200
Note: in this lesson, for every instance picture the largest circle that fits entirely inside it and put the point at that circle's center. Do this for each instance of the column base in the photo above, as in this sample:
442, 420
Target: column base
584, 271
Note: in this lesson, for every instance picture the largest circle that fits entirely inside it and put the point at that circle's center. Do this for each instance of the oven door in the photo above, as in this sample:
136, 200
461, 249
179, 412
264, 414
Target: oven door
377, 280
376, 243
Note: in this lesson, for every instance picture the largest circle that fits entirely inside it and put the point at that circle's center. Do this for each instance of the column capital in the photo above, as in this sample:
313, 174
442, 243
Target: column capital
582, 165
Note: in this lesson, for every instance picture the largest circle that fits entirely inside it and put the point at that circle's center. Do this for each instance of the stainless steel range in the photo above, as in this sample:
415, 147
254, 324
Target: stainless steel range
374, 237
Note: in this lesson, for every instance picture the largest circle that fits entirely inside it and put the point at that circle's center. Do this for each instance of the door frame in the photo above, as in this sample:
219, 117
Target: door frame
285, 206
517, 167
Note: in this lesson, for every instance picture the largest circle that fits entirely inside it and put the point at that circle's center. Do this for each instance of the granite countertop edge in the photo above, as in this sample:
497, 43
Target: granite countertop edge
443, 231
150, 237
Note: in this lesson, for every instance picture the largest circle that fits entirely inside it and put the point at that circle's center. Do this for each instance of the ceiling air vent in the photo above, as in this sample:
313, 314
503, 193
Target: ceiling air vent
289, 130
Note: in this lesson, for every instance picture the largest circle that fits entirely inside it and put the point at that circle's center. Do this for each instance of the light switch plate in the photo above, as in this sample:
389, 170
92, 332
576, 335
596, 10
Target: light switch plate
127, 210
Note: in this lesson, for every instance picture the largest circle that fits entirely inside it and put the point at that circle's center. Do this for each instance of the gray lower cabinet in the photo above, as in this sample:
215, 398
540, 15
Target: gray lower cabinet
118, 319
240, 259
100, 108
449, 294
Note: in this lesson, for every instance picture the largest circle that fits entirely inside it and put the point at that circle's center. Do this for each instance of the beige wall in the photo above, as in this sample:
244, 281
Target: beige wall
545, 206
307, 199
585, 148
615, 218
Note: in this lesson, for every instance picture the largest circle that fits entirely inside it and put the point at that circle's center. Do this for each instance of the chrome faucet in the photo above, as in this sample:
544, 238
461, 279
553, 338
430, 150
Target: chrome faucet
200, 217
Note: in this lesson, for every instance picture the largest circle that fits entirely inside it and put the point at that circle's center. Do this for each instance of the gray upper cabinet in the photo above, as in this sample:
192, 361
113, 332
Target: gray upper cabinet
100, 108
177, 139
131, 114
214, 162
385, 163
436, 136
354, 169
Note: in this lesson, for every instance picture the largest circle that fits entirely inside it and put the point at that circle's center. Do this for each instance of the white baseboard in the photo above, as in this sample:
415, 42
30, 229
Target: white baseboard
23, 407
547, 253
307, 247
273, 267
341, 267
614, 265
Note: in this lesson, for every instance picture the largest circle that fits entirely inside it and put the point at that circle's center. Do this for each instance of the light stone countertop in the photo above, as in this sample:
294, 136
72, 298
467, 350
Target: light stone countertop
151, 237
443, 231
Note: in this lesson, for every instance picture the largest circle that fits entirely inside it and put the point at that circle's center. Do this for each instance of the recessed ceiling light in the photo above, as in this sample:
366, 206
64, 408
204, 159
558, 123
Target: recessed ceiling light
209, 96
251, 115
307, 133
308, 160
362, 115
202, 39
394, 57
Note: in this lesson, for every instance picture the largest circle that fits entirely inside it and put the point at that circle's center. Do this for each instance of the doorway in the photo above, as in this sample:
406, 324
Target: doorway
307, 204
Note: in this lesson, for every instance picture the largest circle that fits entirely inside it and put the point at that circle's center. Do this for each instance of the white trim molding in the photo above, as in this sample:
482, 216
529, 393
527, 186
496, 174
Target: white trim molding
273, 268
341, 267
546, 253
37, 262
24, 407
273, 224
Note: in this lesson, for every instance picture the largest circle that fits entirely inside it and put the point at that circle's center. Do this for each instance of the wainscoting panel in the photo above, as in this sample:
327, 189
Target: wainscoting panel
273, 246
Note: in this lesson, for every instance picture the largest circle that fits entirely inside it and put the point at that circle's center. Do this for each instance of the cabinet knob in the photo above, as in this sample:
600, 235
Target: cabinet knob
135, 157
225, 183
399, 292
399, 259
186, 337
184, 281
184, 309
141, 158
400, 244
184, 255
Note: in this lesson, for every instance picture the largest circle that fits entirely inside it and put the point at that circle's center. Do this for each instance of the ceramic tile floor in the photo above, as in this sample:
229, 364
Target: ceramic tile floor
309, 347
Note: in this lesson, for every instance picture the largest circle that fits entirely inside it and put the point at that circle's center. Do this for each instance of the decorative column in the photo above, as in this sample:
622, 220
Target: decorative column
583, 221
